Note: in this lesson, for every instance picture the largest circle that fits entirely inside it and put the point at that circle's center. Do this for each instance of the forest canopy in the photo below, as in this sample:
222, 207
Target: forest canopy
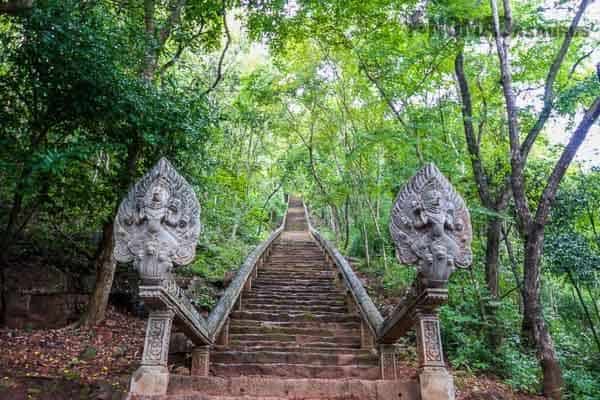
338, 102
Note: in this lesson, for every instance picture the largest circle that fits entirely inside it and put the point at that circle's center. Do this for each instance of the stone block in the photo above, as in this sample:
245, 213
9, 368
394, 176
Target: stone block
436, 384
150, 381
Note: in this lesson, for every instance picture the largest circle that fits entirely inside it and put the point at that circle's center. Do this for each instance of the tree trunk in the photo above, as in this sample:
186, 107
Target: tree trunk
105, 271
492, 254
584, 307
346, 224
105, 262
492, 250
535, 330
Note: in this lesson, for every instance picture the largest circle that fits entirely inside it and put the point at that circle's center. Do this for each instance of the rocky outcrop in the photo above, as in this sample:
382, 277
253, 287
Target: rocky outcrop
43, 296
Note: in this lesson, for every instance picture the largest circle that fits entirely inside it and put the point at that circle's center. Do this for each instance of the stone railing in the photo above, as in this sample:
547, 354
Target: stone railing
158, 225
218, 323
437, 239
168, 303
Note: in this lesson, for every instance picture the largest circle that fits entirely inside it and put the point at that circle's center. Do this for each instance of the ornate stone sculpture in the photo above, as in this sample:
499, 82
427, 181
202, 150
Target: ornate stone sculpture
431, 227
158, 223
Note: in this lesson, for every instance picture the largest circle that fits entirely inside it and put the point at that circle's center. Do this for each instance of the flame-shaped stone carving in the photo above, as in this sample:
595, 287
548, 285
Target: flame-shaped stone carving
158, 223
431, 227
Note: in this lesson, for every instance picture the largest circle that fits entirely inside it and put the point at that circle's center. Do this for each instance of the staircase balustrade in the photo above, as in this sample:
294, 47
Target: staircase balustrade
156, 226
431, 228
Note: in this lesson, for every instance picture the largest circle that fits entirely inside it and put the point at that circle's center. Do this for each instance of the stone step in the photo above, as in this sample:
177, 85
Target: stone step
241, 338
290, 345
293, 330
353, 325
284, 275
306, 281
296, 283
259, 387
296, 370
285, 256
292, 267
291, 357
294, 302
275, 297
292, 290
290, 308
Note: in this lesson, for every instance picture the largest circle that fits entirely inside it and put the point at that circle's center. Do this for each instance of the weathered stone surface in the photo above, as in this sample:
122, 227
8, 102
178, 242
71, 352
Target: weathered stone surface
158, 223
41, 297
262, 387
150, 381
436, 384
158, 334
431, 227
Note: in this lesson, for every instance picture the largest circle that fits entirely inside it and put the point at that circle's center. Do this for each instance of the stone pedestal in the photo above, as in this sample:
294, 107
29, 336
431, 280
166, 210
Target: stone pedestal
435, 381
201, 361
151, 380
152, 377
436, 384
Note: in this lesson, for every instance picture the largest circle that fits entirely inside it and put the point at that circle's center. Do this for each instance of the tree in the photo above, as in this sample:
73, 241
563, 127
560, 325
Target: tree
184, 25
532, 225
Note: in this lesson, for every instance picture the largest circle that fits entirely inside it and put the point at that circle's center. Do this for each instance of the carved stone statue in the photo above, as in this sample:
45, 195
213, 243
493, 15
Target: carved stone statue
431, 227
158, 223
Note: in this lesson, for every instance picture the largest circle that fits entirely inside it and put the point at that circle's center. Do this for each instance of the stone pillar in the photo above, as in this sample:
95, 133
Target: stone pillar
200, 361
152, 377
435, 381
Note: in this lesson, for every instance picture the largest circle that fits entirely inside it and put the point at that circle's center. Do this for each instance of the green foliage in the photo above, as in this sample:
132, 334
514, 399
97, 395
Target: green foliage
350, 99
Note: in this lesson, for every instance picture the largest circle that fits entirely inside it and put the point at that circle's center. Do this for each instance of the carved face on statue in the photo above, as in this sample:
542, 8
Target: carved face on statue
431, 228
158, 223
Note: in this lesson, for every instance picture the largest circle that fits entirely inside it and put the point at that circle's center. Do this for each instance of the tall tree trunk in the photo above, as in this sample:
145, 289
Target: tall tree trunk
105, 271
105, 261
535, 330
492, 255
492, 251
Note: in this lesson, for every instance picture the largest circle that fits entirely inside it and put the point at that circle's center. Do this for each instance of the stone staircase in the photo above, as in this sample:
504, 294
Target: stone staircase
293, 336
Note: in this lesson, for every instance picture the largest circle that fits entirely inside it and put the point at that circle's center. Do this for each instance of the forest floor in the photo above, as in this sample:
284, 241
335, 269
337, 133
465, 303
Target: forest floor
96, 364
71, 362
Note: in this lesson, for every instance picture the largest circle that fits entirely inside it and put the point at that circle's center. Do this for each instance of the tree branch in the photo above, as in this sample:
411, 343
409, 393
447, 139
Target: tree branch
550, 79
219, 76
174, 16
502, 40
180, 48
472, 143
549, 193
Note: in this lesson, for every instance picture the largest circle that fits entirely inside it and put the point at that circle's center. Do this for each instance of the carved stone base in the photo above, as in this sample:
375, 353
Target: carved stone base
201, 361
436, 384
150, 381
